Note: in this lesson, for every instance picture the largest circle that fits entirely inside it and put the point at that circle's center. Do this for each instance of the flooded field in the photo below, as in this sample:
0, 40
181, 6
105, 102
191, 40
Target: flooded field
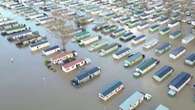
26, 84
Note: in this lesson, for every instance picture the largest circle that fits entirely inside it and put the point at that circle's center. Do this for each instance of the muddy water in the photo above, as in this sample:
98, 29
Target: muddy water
26, 84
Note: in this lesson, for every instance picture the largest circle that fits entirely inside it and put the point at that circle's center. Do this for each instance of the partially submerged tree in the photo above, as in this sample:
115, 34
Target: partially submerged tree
168, 6
64, 30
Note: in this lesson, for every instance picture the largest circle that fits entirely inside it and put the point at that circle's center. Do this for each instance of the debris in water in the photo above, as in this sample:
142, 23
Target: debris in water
43, 78
12, 60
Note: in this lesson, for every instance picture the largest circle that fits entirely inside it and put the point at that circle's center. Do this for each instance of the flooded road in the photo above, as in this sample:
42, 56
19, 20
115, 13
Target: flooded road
26, 84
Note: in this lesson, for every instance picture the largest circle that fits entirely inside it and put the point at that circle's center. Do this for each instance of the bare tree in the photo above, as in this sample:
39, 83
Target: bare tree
168, 6
63, 26
63, 30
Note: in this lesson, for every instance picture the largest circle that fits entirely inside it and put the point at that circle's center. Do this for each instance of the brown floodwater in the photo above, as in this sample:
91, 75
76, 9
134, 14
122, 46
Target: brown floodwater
26, 84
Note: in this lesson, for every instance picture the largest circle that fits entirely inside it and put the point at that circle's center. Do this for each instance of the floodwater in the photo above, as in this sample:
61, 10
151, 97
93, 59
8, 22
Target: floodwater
26, 84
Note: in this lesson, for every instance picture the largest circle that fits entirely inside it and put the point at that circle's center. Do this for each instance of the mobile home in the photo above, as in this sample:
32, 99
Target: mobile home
14, 36
110, 90
68, 67
145, 66
133, 59
109, 49
39, 45
186, 40
81, 35
121, 53
162, 107
162, 48
85, 75
132, 102
89, 40
27, 40
117, 33
98, 45
154, 28
51, 50
177, 52
163, 20
127, 36
151, 43
142, 26
138, 39
178, 83
62, 56
164, 31
163, 73
190, 59
175, 35
173, 24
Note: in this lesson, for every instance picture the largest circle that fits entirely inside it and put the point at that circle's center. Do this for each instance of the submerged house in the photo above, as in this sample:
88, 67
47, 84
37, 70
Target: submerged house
60, 57
68, 67
27, 40
190, 59
121, 53
86, 75
51, 50
146, 66
110, 90
163, 73
132, 102
177, 52
178, 83
39, 45
133, 59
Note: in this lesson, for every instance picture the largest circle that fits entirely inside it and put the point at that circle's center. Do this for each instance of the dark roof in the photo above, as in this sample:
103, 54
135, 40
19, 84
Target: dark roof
19, 33
173, 21
191, 57
165, 29
163, 18
163, 45
180, 79
163, 71
51, 48
146, 63
86, 72
175, 33
126, 18
127, 33
120, 51
39, 43
139, 37
154, 26
110, 46
134, 56
119, 30
110, 87
177, 50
